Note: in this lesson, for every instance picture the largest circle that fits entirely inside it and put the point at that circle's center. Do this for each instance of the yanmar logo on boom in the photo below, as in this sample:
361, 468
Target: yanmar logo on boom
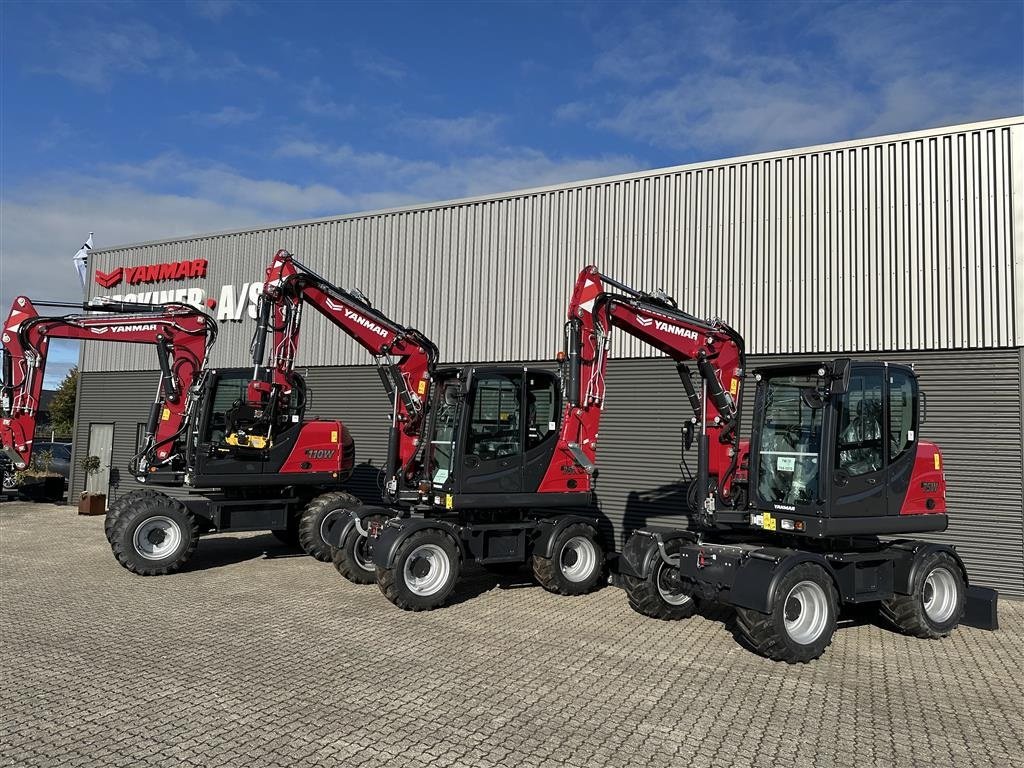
355, 317
664, 327
134, 328
153, 273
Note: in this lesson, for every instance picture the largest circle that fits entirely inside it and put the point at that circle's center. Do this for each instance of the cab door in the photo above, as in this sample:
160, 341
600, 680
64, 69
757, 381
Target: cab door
542, 412
223, 400
859, 460
902, 427
492, 457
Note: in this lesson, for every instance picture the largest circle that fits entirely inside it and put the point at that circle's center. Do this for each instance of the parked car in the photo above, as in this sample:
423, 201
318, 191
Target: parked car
61, 461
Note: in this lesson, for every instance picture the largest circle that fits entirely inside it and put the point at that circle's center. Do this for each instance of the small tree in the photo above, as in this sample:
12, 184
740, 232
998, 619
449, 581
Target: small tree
62, 407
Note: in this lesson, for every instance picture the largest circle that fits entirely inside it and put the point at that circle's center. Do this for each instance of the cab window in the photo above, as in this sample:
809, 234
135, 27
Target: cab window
902, 414
494, 431
859, 437
541, 410
229, 395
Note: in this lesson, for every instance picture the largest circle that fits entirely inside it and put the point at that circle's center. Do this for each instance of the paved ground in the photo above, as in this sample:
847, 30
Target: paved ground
245, 660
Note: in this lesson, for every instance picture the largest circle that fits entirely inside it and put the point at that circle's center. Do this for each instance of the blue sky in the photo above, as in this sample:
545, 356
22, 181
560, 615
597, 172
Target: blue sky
145, 120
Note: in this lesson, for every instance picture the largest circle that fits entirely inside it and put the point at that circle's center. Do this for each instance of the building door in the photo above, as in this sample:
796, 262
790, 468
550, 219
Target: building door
101, 442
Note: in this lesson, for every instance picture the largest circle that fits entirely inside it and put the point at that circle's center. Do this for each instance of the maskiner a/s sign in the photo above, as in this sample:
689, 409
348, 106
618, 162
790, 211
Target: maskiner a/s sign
229, 303
232, 304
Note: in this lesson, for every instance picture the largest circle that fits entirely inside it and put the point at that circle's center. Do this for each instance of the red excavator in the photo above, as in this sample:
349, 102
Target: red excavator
244, 470
787, 524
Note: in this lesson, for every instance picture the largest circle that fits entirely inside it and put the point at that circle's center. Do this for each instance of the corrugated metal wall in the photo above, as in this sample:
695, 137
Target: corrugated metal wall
788, 247
973, 414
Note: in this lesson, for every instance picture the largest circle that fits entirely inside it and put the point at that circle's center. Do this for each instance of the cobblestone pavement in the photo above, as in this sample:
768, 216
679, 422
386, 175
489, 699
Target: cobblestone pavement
248, 660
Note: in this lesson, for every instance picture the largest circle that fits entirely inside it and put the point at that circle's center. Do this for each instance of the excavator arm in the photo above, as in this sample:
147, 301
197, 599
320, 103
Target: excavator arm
181, 334
405, 358
600, 303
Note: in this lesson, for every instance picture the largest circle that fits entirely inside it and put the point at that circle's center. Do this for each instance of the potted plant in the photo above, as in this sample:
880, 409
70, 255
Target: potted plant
90, 502
38, 481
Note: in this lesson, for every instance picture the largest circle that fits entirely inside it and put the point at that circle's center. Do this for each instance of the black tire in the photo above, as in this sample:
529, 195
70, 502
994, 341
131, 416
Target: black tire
577, 562
140, 536
351, 559
407, 582
315, 516
803, 618
936, 604
120, 504
655, 598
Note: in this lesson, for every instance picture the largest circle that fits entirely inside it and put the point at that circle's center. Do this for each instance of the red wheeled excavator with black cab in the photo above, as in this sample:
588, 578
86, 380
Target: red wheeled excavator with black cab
243, 470
796, 521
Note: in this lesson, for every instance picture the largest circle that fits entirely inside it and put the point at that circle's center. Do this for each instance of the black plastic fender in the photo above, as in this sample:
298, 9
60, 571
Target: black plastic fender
385, 546
759, 575
640, 554
906, 567
337, 526
549, 528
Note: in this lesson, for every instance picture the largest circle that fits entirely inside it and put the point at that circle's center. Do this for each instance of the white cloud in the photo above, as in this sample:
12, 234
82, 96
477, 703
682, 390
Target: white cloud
98, 52
215, 10
227, 115
379, 65
703, 77
470, 129
469, 174
316, 99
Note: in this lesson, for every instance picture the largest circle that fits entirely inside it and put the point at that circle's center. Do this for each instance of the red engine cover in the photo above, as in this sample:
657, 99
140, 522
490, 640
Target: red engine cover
322, 446
927, 483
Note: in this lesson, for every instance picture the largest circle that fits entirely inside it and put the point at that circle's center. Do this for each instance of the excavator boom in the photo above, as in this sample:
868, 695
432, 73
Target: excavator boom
405, 358
181, 334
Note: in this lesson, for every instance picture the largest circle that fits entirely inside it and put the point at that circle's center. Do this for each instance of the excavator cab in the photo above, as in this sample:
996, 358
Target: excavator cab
835, 451
492, 434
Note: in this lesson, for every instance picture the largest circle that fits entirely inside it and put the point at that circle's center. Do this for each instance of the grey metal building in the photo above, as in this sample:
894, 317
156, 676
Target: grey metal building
906, 248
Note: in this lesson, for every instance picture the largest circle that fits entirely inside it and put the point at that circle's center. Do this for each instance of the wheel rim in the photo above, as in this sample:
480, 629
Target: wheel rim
359, 553
940, 595
9, 480
157, 538
667, 593
578, 559
324, 525
426, 570
806, 612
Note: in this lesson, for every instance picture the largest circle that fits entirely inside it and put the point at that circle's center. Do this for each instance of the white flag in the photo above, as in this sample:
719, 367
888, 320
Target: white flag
82, 260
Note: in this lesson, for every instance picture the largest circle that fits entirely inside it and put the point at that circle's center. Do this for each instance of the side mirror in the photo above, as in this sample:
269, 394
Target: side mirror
453, 394
687, 435
840, 377
812, 398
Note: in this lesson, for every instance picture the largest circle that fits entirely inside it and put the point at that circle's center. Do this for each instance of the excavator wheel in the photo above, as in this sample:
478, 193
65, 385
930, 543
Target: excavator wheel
314, 519
154, 536
120, 504
423, 573
937, 603
656, 597
802, 621
351, 559
576, 564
